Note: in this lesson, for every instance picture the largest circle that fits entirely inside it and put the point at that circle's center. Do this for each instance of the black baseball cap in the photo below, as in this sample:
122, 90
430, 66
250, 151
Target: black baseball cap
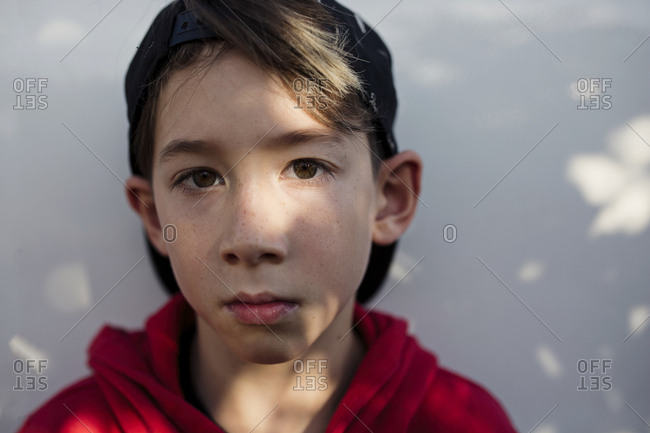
368, 56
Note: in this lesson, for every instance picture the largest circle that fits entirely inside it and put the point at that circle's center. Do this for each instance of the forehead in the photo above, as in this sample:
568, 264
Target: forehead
233, 101
217, 93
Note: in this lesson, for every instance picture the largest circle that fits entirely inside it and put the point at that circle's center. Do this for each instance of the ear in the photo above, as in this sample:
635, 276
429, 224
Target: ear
398, 187
140, 196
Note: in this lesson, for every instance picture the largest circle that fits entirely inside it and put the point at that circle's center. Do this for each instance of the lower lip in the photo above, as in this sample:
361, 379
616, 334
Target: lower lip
260, 314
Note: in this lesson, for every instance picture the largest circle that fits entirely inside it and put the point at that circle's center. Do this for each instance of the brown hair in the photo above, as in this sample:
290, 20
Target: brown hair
295, 40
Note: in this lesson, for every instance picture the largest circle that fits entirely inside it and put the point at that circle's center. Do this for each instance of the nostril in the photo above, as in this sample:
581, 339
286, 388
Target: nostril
270, 257
230, 258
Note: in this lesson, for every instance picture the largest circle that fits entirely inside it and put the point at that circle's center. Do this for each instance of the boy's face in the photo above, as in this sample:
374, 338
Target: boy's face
263, 200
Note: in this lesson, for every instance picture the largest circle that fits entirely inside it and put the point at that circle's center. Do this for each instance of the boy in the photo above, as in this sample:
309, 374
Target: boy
268, 182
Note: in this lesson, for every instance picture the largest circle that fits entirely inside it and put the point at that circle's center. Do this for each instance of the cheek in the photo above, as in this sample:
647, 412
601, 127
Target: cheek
334, 238
190, 241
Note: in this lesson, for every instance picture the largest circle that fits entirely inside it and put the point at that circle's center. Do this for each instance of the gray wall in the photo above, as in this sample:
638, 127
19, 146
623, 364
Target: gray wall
550, 203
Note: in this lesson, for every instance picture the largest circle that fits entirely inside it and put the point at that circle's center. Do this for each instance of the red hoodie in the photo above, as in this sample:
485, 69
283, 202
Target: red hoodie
135, 386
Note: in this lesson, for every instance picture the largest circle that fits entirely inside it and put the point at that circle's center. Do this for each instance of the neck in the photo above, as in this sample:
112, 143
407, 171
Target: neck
298, 395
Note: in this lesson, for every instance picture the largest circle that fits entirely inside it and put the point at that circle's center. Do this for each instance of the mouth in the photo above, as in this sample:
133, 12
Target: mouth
260, 309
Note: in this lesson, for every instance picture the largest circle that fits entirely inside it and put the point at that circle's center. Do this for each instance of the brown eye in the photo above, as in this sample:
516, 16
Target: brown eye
204, 178
305, 169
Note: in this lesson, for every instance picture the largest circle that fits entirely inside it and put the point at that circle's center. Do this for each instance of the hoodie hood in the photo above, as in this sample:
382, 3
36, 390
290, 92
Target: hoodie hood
136, 387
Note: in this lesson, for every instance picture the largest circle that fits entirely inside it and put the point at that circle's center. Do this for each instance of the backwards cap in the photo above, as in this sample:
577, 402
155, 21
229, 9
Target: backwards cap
368, 56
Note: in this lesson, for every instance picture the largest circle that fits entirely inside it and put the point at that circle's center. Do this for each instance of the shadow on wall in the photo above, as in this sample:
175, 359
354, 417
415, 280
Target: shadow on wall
617, 181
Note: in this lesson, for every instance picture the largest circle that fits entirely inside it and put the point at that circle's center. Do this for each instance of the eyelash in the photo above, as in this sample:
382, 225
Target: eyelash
178, 183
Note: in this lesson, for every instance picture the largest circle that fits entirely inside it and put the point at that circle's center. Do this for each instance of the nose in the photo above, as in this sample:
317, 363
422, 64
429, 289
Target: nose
255, 230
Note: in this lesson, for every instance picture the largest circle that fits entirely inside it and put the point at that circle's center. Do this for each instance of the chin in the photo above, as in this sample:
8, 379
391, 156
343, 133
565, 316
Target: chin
270, 351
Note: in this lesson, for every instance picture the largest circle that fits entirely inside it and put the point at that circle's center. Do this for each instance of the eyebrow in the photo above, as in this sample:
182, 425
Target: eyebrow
183, 147
330, 138
179, 147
